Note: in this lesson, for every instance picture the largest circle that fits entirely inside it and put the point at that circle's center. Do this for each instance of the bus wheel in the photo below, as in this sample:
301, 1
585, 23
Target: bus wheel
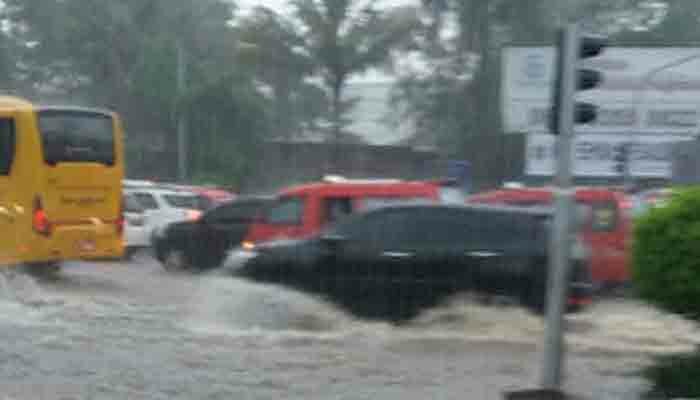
45, 270
174, 260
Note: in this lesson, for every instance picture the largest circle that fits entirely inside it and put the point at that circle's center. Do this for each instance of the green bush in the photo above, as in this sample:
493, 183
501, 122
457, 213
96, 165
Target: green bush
675, 377
666, 254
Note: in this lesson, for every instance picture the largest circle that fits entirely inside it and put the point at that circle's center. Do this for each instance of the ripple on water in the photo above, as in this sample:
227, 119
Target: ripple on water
234, 307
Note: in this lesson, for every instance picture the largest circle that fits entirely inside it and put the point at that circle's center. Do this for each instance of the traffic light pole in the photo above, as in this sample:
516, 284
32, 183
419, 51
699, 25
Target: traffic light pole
559, 251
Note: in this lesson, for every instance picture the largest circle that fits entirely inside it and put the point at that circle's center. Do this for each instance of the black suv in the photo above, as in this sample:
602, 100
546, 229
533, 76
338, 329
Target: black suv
417, 255
202, 244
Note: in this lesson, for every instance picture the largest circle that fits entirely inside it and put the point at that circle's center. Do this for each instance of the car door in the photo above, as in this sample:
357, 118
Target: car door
443, 246
135, 232
151, 208
485, 251
375, 248
8, 208
605, 234
227, 225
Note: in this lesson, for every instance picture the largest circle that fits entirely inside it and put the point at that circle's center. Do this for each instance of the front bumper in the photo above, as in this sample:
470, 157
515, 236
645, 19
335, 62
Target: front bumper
237, 259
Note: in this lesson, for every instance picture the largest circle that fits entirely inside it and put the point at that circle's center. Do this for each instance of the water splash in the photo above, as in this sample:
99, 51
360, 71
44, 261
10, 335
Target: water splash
237, 307
19, 287
231, 305
633, 327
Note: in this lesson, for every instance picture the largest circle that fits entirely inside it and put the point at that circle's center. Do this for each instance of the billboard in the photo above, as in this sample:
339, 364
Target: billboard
645, 90
651, 156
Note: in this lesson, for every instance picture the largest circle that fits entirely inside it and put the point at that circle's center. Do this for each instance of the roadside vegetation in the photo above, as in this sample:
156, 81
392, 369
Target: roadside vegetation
666, 273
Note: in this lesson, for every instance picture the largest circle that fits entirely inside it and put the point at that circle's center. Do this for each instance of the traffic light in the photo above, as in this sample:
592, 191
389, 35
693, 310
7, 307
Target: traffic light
572, 48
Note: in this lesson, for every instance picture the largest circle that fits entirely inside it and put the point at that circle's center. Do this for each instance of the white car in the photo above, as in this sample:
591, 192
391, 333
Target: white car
165, 206
136, 232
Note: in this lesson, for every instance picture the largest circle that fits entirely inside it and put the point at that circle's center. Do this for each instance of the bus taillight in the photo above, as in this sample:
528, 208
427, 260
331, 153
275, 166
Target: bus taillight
40, 222
120, 219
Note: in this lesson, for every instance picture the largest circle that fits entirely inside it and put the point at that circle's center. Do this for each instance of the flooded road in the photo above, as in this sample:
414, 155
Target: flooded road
118, 331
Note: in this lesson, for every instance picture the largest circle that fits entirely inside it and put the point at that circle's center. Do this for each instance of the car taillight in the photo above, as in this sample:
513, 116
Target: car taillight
40, 221
193, 215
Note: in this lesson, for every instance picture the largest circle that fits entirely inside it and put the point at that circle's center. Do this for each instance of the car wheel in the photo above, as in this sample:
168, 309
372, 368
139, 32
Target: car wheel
175, 260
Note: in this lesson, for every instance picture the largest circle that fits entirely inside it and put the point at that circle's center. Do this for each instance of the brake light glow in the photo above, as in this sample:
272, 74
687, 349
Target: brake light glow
579, 301
626, 204
248, 246
40, 221
120, 219
193, 215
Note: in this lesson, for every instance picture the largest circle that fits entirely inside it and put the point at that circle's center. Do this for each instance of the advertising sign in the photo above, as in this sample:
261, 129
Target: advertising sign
644, 90
594, 154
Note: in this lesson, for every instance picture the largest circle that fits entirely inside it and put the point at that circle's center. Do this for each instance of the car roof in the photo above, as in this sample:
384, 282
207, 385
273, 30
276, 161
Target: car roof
545, 194
159, 191
534, 211
357, 188
246, 199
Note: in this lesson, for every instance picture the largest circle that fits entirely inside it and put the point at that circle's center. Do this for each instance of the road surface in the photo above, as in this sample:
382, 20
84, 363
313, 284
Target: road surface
133, 331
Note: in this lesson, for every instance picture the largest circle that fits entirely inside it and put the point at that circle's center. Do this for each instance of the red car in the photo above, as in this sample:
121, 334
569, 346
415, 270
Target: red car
606, 229
301, 211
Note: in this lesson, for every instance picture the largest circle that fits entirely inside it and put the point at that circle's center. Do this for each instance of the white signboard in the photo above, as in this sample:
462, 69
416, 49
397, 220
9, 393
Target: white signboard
645, 90
594, 154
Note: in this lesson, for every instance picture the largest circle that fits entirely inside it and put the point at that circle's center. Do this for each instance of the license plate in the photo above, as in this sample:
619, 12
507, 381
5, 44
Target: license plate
86, 245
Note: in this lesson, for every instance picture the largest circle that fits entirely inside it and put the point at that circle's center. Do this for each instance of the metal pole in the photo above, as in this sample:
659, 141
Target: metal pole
181, 115
560, 237
628, 178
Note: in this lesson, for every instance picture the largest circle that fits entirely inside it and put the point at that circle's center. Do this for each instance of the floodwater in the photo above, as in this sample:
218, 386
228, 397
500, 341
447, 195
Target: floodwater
133, 331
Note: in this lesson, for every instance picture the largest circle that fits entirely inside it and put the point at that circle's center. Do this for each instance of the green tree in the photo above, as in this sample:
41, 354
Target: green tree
667, 23
346, 37
279, 62
124, 55
455, 99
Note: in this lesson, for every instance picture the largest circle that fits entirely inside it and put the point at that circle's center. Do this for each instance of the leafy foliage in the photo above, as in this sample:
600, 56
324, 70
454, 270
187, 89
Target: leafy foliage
666, 255
124, 55
346, 37
675, 376
279, 62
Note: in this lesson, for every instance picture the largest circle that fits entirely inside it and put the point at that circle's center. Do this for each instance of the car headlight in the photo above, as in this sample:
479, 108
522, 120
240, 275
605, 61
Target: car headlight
237, 258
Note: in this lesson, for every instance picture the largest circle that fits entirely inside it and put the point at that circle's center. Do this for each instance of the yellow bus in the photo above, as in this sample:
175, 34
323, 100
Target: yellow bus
60, 184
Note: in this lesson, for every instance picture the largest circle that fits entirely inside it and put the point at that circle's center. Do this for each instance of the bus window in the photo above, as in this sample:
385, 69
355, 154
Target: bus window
7, 146
76, 136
